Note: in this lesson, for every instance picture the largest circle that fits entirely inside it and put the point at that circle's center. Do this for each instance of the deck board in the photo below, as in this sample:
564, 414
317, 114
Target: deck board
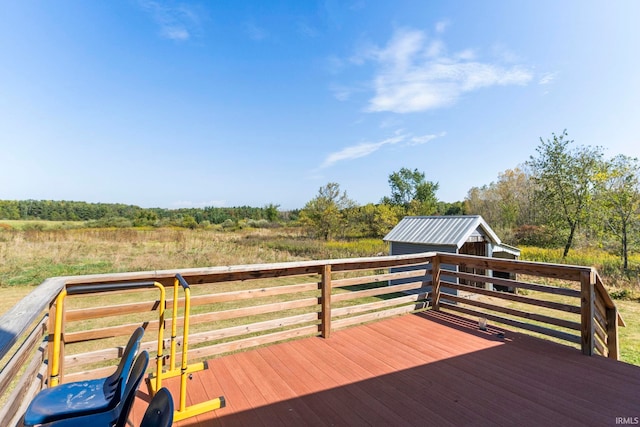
424, 369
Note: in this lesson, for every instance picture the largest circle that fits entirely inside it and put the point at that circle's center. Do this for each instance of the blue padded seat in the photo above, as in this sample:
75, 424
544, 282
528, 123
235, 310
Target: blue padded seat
84, 397
116, 417
160, 410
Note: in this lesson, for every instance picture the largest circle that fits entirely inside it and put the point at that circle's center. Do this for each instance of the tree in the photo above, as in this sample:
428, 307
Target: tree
566, 180
620, 196
326, 213
378, 220
410, 190
507, 203
271, 212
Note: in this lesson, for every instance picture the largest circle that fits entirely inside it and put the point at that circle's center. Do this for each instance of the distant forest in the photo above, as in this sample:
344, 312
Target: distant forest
102, 214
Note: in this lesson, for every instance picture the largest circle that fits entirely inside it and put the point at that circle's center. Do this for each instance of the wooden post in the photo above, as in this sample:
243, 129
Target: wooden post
612, 333
435, 280
325, 315
587, 294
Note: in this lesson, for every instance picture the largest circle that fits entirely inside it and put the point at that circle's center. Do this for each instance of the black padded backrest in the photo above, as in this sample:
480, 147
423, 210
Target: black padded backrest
160, 410
127, 357
137, 373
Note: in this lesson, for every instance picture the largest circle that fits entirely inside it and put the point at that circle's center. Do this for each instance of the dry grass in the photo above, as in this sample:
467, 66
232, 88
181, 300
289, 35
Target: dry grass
28, 257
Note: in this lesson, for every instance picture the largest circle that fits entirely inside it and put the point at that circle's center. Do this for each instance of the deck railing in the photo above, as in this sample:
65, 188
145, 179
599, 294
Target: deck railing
239, 307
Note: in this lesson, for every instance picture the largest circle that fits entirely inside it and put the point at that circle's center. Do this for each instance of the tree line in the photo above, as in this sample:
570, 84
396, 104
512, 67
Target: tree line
563, 194
114, 214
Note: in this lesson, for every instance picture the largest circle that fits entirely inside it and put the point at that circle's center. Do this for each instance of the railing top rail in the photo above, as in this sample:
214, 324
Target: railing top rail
558, 271
17, 320
202, 274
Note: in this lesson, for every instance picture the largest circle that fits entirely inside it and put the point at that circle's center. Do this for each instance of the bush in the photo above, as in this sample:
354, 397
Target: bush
623, 294
189, 222
228, 224
35, 226
534, 235
260, 223
117, 222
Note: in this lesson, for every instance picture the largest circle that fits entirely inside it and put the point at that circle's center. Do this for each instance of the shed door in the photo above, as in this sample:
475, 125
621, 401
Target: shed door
473, 248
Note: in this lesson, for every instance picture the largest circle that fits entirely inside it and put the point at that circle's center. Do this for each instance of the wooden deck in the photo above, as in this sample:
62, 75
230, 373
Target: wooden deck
424, 369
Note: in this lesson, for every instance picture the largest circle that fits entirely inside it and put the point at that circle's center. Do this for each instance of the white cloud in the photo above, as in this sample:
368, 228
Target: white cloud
361, 150
547, 78
419, 140
176, 23
415, 74
366, 148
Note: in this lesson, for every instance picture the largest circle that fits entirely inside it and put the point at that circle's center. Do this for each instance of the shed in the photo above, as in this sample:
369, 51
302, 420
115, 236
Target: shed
459, 234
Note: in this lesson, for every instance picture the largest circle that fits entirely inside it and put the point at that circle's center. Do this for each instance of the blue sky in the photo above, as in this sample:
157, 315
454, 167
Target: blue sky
228, 103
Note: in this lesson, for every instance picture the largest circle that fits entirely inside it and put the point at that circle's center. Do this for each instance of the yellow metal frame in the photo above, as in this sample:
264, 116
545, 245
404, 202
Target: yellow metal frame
54, 378
183, 411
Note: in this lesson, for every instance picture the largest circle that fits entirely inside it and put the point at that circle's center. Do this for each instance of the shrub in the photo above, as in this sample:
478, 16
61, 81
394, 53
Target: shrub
623, 294
534, 235
228, 224
117, 222
259, 223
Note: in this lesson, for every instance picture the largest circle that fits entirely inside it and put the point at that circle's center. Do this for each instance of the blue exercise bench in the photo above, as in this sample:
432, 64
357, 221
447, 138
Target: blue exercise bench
84, 397
116, 417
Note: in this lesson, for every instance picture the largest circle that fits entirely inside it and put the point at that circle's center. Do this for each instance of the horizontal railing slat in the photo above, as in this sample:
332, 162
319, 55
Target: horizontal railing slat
518, 298
515, 323
246, 343
600, 348
556, 271
363, 318
22, 354
515, 284
253, 293
113, 310
250, 328
531, 316
361, 308
25, 389
120, 330
363, 280
383, 290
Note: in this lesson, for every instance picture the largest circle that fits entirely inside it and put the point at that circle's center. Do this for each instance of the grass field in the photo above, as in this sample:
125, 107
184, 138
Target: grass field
30, 254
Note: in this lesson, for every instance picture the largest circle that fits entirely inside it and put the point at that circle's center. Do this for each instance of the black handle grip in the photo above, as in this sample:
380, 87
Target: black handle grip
182, 282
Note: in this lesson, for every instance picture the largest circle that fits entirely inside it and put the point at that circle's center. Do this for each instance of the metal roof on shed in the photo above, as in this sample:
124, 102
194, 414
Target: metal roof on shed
440, 230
